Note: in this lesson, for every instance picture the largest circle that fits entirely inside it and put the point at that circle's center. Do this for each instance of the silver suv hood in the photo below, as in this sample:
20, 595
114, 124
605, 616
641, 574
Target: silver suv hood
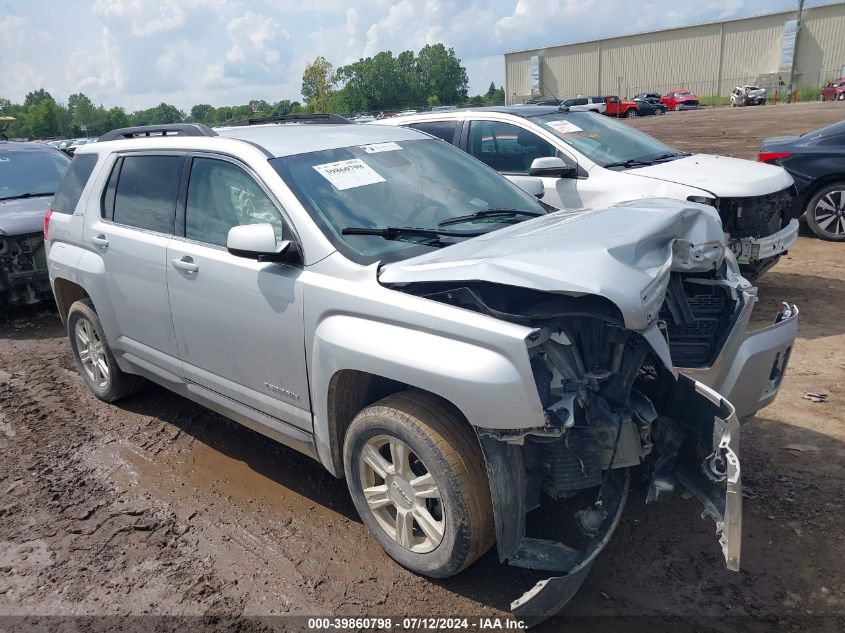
23, 216
624, 253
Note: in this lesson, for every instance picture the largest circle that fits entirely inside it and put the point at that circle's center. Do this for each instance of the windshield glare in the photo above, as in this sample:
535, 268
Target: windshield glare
601, 139
417, 183
31, 172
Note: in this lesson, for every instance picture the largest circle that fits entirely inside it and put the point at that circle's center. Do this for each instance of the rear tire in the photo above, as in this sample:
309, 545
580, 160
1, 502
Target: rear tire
659, 111
93, 356
825, 212
677, 107
418, 480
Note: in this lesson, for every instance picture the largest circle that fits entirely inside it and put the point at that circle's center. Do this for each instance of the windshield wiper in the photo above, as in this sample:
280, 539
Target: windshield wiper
670, 155
29, 195
631, 162
489, 213
406, 234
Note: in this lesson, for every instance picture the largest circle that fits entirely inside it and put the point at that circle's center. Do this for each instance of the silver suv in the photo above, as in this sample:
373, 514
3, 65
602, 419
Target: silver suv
394, 308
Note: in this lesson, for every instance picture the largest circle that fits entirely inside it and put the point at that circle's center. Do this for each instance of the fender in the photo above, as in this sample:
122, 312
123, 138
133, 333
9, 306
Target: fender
492, 385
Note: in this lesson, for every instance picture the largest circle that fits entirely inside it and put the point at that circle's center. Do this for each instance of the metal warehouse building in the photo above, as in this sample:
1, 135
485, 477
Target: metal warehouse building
708, 59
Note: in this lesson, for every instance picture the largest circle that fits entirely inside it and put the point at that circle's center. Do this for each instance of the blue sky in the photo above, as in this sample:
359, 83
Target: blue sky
137, 53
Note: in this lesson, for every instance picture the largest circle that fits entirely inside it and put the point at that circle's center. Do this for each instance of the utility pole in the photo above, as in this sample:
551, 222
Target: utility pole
795, 47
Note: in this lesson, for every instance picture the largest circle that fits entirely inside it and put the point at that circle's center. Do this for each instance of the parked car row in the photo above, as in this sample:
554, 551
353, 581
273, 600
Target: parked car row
643, 104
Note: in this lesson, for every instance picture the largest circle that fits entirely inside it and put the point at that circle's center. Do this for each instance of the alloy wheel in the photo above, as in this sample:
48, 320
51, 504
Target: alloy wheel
830, 213
402, 494
91, 352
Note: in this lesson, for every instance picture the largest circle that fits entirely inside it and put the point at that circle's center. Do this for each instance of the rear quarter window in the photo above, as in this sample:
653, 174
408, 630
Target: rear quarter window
80, 170
444, 130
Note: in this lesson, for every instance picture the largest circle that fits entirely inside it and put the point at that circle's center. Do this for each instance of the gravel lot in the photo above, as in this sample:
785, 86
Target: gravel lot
158, 506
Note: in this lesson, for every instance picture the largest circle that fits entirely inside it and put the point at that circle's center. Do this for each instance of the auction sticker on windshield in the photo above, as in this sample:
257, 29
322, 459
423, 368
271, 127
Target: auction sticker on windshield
564, 127
375, 148
348, 174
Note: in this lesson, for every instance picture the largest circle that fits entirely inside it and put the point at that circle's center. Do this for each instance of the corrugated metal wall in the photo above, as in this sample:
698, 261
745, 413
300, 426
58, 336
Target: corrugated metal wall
709, 59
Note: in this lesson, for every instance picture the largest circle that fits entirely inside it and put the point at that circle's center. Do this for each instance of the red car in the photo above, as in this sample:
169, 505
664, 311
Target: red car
617, 107
834, 91
680, 100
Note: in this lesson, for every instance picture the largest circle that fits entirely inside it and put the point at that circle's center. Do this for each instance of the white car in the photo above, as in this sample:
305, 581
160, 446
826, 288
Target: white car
586, 104
748, 95
588, 161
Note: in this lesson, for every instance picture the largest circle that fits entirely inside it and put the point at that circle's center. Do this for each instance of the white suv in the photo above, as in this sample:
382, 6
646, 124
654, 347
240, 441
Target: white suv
586, 161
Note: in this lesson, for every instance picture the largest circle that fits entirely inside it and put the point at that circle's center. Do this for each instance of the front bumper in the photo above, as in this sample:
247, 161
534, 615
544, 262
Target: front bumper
23, 270
753, 249
751, 365
709, 469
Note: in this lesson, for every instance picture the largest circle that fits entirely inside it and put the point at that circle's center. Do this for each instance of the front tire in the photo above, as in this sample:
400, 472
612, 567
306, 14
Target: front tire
825, 212
631, 114
93, 356
417, 477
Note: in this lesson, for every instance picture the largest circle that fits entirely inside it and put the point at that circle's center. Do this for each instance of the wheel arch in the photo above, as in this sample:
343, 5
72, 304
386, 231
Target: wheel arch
805, 196
66, 293
352, 390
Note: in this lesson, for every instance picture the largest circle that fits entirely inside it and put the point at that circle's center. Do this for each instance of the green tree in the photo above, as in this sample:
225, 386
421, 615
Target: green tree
36, 97
318, 84
441, 74
201, 113
433, 101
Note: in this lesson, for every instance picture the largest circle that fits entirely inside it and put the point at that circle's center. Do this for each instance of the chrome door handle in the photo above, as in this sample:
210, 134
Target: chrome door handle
186, 263
100, 240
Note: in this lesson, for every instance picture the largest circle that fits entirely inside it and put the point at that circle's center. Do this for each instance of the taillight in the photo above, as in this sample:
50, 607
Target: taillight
765, 157
47, 223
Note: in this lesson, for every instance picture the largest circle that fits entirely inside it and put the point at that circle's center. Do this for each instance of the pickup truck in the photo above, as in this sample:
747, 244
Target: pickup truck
617, 107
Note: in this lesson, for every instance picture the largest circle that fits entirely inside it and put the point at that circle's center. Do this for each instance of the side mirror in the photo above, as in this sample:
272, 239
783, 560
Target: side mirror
258, 241
552, 167
533, 186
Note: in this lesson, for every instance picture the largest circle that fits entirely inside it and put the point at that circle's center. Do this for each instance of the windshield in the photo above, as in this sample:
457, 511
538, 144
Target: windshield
421, 184
603, 140
30, 172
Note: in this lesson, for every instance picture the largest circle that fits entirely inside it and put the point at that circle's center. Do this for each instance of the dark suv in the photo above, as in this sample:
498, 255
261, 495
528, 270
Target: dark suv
30, 173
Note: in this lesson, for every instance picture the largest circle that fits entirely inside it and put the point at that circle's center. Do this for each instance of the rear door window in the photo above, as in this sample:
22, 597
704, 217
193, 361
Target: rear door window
444, 130
67, 197
145, 190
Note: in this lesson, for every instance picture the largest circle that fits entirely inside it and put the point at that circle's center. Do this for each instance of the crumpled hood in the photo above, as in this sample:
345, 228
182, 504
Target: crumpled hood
26, 215
722, 176
624, 253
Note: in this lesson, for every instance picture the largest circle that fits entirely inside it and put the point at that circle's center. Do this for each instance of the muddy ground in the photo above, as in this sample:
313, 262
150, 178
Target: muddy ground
157, 506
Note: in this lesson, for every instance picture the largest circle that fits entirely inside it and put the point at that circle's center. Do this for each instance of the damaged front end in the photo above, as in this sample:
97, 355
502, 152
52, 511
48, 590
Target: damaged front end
23, 269
611, 405
761, 228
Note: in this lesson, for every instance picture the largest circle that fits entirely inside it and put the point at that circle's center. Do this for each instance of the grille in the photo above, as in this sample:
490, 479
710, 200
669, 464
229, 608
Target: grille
757, 216
697, 343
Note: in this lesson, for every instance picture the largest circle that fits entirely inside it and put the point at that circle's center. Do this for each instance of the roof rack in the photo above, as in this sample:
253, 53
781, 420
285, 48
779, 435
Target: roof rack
295, 118
167, 129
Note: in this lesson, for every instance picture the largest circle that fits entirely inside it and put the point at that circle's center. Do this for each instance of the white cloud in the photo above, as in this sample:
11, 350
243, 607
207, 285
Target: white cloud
255, 43
99, 71
148, 17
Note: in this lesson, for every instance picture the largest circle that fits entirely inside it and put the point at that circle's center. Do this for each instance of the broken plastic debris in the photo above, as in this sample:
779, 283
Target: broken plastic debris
815, 396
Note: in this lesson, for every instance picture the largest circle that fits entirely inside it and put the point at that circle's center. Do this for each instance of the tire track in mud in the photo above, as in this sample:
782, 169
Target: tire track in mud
89, 535
106, 480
